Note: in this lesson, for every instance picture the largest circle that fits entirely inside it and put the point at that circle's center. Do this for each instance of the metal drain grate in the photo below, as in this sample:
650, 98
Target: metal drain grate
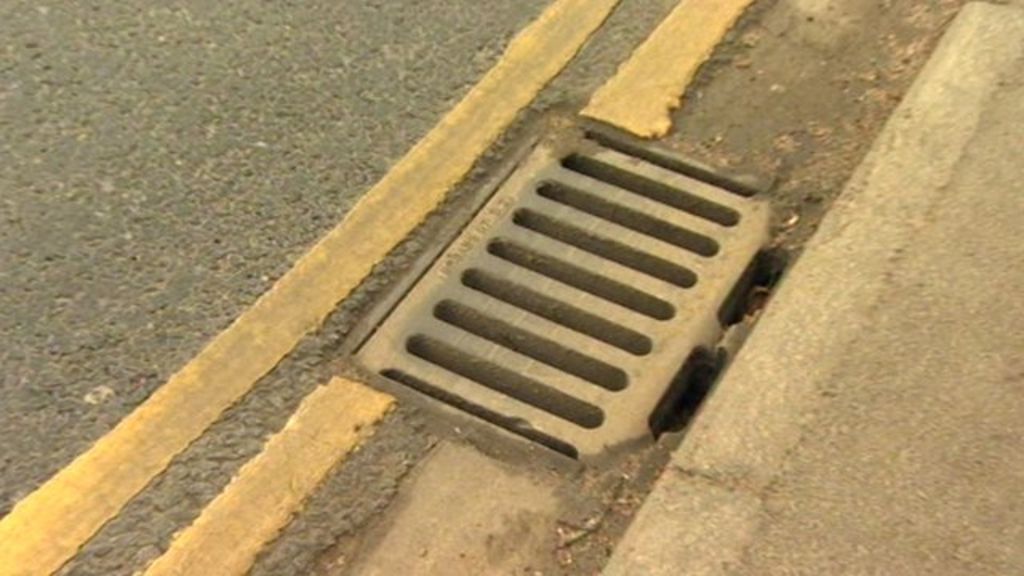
567, 306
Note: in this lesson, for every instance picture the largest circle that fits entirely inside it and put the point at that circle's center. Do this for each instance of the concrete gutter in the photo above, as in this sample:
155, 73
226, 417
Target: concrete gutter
873, 421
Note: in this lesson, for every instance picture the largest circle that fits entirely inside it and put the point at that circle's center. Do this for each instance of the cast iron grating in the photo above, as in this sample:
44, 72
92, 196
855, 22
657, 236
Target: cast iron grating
567, 306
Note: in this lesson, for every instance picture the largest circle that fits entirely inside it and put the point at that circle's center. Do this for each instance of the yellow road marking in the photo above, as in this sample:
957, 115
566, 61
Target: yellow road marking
48, 527
648, 86
271, 487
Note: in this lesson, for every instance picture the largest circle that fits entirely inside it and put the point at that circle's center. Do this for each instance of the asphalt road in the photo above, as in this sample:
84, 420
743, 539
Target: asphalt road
161, 164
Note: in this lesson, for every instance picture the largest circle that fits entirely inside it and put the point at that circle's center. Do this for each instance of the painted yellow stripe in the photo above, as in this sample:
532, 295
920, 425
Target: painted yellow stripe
647, 87
47, 528
271, 487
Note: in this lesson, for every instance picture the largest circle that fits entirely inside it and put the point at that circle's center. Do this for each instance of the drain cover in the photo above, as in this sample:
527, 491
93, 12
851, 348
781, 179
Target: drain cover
566, 307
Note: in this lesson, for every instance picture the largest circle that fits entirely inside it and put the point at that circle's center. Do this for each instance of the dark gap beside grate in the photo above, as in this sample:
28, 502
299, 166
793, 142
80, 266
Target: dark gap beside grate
628, 218
528, 344
577, 277
686, 392
504, 381
514, 425
557, 311
754, 286
605, 247
650, 189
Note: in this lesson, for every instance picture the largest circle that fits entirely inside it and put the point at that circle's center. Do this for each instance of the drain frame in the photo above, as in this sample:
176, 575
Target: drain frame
490, 206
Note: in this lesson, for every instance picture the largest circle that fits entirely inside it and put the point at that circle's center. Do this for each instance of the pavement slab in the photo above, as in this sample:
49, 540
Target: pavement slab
873, 421
501, 520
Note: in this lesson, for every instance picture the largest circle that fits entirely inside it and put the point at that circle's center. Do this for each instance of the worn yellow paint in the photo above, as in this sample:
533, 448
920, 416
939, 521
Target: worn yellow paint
270, 488
641, 95
47, 528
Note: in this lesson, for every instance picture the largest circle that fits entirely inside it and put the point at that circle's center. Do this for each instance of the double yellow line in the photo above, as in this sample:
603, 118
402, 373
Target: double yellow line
48, 527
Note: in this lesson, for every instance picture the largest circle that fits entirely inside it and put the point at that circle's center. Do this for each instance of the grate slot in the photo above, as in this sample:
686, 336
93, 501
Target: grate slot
604, 267
555, 331
671, 163
676, 181
488, 398
605, 247
528, 344
646, 206
505, 381
520, 364
512, 424
651, 189
628, 218
582, 279
557, 311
